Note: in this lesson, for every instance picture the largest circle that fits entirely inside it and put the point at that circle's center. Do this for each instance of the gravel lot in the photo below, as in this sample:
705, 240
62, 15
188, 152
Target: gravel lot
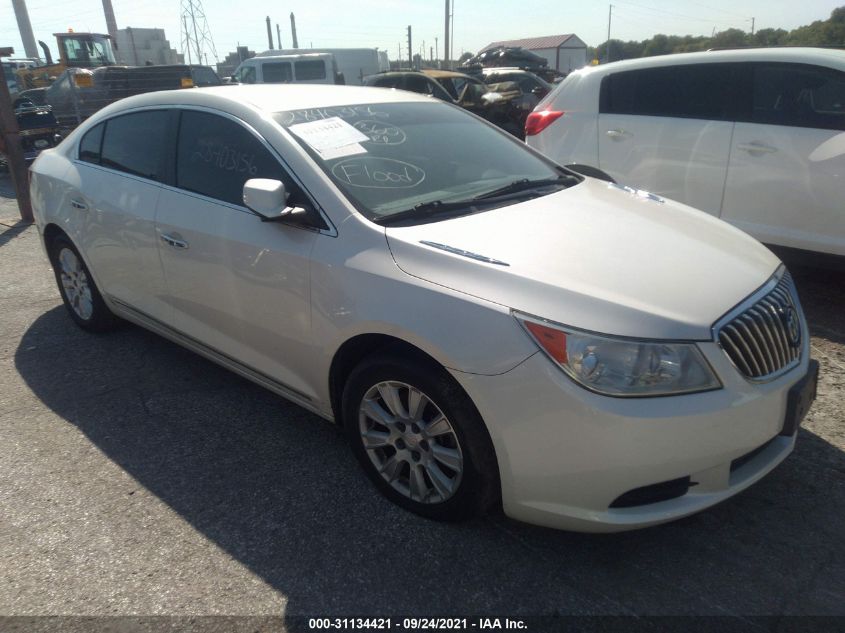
138, 479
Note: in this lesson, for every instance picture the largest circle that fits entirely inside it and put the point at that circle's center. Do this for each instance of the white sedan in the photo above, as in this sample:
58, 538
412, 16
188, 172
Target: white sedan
489, 328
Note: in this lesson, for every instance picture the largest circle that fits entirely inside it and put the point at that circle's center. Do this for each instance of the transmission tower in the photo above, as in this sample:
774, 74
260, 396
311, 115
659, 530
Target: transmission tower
197, 42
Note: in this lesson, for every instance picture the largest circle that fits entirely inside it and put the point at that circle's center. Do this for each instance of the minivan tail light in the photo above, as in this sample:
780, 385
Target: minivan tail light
539, 121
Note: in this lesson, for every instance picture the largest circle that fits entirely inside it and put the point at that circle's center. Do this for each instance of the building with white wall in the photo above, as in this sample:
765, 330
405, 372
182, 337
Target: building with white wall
136, 47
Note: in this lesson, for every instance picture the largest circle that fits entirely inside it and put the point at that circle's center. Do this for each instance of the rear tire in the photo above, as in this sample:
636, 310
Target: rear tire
77, 288
420, 439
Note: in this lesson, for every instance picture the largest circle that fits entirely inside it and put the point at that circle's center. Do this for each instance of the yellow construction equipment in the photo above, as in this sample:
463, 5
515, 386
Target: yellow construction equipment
76, 50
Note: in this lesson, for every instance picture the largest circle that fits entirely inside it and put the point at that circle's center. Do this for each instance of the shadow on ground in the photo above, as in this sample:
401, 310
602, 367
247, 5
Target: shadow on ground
278, 489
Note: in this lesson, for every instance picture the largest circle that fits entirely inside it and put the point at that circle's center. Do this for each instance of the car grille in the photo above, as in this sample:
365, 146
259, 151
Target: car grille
765, 339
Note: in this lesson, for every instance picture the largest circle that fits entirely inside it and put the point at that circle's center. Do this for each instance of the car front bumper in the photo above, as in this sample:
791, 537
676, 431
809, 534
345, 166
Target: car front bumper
567, 456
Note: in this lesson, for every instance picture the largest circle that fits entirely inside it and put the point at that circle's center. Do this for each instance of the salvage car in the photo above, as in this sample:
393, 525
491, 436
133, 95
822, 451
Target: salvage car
755, 137
502, 105
489, 328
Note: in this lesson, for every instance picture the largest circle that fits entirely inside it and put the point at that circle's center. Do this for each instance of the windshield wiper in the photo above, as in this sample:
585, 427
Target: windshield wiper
432, 209
524, 184
439, 207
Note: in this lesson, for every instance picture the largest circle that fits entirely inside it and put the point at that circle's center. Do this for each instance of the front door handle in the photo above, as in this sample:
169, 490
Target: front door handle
174, 240
756, 148
76, 203
618, 134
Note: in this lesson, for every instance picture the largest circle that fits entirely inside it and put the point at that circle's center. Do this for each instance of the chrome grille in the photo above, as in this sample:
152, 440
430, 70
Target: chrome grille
765, 339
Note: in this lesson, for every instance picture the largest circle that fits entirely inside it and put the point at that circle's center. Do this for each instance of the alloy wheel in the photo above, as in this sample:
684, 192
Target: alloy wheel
410, 442
75, 283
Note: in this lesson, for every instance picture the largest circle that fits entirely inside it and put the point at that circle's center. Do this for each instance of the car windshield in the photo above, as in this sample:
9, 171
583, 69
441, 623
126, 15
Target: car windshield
415, 158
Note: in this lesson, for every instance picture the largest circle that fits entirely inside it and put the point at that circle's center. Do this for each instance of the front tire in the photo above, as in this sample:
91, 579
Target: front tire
420, 439
77, 288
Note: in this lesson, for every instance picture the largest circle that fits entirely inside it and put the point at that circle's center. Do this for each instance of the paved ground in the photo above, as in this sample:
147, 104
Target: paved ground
137, 478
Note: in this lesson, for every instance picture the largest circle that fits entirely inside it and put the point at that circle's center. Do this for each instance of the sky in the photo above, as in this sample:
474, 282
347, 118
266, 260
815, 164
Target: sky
383, 23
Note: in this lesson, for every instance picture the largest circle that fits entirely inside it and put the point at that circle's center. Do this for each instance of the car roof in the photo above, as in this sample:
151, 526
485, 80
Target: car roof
270, 97
800, 55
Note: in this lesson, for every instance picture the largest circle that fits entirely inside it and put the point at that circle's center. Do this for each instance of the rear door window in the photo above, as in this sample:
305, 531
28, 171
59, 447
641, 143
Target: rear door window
215, 156
693, 91
277, 73
799, 95
137, 144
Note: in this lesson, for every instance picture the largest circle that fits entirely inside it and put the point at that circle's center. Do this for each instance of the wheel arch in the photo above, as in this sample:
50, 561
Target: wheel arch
355, 349
51, 232
358, 348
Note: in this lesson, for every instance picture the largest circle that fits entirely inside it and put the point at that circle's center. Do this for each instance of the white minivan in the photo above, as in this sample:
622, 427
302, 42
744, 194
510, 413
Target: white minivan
755, 137
301, 68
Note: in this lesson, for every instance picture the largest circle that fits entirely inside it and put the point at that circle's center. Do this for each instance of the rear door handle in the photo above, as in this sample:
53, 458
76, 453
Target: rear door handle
756, 148
618, 134
76, 203
174, 240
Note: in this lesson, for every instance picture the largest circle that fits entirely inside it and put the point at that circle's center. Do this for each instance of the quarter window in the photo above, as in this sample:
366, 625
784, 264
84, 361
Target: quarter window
136, 143
89, 147
799, 95
216, 156
694, 91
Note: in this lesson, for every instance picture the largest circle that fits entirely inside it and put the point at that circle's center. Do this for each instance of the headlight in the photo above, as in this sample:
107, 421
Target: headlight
621, 366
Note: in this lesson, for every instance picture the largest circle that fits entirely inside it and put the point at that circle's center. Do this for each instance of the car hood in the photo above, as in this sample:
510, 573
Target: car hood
595, 257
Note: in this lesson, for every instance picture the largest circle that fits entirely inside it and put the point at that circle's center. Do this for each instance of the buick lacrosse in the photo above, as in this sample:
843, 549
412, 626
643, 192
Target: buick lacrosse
489, 328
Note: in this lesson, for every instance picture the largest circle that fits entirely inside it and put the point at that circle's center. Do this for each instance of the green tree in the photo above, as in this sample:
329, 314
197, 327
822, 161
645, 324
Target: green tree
732, 38
769, 37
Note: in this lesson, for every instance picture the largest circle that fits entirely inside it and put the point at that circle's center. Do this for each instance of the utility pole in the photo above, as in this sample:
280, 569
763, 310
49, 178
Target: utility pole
436, 49
752, 27
11, 142
609, 16
431, 54
269, 33
25, 28
410, 50
111, 23
293, 30
452, 33
446, 64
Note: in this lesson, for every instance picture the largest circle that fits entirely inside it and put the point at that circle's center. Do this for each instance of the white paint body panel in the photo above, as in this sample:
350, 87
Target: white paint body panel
793, 196
596, 258
275, 303
681, 159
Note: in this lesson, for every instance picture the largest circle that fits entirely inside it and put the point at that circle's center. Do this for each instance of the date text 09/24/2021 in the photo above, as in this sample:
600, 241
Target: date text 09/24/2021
413, 624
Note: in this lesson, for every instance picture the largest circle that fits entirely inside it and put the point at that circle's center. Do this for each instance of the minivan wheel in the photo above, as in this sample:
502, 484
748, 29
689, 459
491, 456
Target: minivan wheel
420, 439
77, 288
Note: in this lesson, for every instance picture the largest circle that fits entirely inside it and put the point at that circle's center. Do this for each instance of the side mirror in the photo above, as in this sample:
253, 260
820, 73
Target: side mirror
268, 199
